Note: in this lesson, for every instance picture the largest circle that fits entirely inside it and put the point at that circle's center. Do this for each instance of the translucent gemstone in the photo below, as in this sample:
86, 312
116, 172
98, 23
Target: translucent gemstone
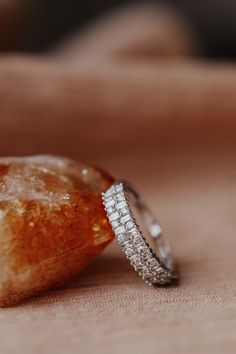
52, 222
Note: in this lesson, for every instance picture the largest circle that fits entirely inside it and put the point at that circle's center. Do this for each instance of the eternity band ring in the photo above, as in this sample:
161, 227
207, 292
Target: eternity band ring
143, 242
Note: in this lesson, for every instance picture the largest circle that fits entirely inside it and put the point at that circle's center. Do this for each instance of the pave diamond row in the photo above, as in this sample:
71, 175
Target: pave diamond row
130, 238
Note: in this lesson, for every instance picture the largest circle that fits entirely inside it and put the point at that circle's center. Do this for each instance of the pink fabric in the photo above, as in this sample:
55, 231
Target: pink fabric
108, 309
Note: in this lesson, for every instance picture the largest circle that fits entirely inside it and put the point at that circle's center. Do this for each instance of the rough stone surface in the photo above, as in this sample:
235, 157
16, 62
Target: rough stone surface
52, 222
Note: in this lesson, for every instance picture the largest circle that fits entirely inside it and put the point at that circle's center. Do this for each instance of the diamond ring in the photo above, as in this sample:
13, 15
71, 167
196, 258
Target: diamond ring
145, 248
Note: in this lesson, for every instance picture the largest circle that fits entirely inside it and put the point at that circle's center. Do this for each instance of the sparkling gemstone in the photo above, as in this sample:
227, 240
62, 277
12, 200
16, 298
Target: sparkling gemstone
115, 223
136, 238
121, 238
108, 199
128, 251
129, 225
110, 203
136, 260
52, 222
119, 230
120, 198
121, 205
157, 269
124, 211
145, 272
119, 188
110, 210
114, 216
109, 193
143, 250
125, 218
151, 262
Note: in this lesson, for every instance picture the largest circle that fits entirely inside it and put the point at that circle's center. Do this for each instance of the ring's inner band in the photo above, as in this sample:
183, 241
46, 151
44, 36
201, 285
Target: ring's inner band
150, 228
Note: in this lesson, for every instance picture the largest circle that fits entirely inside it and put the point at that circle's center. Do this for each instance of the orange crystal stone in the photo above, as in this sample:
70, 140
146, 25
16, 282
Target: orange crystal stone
52, 222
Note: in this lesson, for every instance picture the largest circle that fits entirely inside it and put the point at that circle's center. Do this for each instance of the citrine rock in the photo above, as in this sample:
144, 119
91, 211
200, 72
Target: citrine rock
52, 222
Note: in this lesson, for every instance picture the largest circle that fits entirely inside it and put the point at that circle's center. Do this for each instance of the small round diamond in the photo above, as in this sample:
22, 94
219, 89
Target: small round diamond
128, 251
121, 238
145, 272
136, 260
136, 238
119, 188
124, 211
141, 250
120, 198
115, 223
157, 270
119, 230
151, 262
129, 225
110, 210
125, 218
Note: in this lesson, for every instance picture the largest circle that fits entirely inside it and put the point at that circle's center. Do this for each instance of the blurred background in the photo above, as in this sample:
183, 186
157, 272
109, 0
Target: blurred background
77, 78
146, 90
33, 25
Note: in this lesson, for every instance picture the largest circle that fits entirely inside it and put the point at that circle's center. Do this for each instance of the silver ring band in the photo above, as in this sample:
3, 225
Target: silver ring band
147, 250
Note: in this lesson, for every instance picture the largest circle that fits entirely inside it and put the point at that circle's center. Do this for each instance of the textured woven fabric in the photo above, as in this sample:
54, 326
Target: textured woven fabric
108, 309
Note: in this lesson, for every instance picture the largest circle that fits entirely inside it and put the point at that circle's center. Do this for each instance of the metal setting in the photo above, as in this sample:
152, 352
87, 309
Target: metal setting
150, 255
